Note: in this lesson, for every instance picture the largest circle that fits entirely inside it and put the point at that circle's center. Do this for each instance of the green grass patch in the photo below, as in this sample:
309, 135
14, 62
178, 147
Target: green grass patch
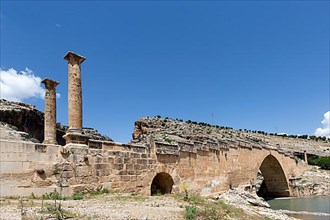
100, 192
201, 208
78, 196
54, 196
190, 212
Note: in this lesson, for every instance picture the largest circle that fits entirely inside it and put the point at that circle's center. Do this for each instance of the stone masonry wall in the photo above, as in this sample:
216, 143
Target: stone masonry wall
26, 167
206, 167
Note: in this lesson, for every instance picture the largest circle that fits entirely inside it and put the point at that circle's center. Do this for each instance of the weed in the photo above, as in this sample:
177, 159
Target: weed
185, 187
190, 212
100, 192
56, 211
78, 196
54, 196
168, 140
56, 169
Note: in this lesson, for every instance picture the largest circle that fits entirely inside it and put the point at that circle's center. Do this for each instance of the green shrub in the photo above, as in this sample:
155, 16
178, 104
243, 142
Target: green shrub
323, 162
78, 196
190, 212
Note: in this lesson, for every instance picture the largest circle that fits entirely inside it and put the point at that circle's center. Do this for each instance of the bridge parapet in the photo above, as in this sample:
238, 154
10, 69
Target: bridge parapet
166, 148
188, 147
110, 145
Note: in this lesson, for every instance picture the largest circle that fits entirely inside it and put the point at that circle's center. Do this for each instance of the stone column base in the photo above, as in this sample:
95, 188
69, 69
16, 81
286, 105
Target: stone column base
75, 137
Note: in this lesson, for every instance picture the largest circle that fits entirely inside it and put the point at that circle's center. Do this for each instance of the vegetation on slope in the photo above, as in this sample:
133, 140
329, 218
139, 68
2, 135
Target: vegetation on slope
323, 162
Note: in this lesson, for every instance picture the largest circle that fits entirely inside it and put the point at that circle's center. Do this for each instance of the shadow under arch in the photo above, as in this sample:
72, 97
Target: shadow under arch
162, 184
274, 182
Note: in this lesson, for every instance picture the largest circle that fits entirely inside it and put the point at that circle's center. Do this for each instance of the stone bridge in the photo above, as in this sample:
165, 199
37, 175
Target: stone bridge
154, 168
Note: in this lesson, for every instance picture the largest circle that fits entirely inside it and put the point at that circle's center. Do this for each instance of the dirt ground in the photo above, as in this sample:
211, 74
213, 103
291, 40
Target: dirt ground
106, 206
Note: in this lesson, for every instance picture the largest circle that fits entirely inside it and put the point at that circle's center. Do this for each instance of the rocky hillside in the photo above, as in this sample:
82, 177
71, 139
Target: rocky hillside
173, 131
20, 121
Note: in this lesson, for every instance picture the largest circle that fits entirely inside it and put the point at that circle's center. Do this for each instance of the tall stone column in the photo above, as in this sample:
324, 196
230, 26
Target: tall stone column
74, 132
50, 111
74, 90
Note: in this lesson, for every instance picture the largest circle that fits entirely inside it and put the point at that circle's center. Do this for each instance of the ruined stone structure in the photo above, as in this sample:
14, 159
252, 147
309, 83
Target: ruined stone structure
50, 112
152, 167
74, 133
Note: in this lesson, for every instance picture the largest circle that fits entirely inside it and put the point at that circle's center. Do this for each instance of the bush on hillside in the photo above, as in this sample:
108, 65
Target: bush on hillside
323, 162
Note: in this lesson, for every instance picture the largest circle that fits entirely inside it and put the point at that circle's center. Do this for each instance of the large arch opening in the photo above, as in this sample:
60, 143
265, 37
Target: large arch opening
273, 182
162, 184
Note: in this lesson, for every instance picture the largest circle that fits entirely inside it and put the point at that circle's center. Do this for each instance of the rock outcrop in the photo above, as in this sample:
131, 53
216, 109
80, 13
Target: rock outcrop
251, 203
20, 121
313, 182
174, 131
23, 117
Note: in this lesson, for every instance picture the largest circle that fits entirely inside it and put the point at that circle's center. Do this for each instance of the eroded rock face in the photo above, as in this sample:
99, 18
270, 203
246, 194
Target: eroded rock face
24, 117
20, 121
311, 183
172, 131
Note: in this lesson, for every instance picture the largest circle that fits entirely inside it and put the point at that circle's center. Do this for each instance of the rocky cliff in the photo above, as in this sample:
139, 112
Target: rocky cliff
173, 131
20, 121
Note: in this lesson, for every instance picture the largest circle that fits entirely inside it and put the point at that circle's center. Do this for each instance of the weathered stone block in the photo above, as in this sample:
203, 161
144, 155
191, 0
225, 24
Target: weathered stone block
105, 179
100, 166
133, 178
83, 171
129, 166
125, 178
131, 172
119, 161
116, 153
127, 160
135, 155
144, 166
137, 167
65, 167
152, 161
118, 166
107, 185
67, 174
14, 156
98, 159
51, 149
41, 148
105, 172
142, 161
14, 167
122, 172
108, 159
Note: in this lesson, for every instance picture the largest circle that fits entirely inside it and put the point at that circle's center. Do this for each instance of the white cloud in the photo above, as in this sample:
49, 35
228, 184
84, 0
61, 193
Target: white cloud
325, 130
17, 86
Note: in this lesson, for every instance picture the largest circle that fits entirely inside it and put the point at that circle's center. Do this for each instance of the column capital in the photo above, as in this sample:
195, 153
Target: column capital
50, 83
73, 58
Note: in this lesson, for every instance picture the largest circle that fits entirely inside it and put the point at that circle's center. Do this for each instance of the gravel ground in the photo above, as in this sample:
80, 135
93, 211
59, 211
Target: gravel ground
119, 206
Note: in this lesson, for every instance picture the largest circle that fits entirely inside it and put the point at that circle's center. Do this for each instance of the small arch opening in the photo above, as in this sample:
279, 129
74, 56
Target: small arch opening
162, 184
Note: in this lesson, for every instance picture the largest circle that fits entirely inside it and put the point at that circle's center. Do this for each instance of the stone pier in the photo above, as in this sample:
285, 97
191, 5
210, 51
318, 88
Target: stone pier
305, 157
50, 111
74, 133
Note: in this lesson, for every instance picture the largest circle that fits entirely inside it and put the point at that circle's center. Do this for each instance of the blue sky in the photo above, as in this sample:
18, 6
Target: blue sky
259, 65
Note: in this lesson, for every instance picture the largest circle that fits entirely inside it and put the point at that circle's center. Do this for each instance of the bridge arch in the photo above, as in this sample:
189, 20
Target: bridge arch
274, 183
162, 184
